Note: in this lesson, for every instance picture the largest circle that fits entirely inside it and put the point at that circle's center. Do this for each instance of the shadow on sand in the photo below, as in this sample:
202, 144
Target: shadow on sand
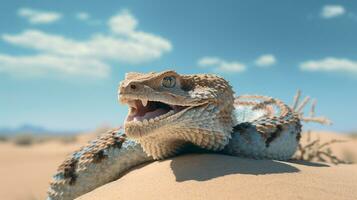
202, 167
307, 163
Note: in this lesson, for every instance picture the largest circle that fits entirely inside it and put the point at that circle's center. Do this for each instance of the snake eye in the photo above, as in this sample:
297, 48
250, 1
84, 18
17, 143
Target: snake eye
169, 81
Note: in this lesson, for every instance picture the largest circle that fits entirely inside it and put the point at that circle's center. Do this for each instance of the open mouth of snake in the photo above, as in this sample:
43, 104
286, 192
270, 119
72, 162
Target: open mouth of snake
142, 110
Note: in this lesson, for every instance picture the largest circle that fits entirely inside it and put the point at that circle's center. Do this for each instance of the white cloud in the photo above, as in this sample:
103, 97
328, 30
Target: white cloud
331, 11
83, 16
44, 64
221, 65
138, 47
209, 61
330, 64
126, 45
39, 17
50, 43
123, 23
86, 17
265, 60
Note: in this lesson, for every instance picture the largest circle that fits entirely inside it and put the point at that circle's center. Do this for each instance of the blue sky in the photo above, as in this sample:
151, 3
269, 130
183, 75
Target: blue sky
61, 62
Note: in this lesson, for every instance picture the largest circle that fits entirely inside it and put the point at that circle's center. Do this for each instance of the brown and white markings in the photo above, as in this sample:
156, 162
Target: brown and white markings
100, 161
168, 112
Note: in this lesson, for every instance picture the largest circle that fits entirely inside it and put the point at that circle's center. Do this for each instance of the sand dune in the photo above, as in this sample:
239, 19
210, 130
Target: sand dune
26, 171
209, 176
346, 150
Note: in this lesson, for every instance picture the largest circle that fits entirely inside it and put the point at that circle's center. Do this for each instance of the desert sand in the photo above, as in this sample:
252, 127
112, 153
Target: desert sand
209, 176
26, 171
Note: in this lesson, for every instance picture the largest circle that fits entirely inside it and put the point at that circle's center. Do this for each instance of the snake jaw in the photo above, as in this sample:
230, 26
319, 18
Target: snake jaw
141, 110
197, 110
146, 116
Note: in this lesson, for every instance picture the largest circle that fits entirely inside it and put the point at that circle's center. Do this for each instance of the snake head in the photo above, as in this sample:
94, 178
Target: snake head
167, 111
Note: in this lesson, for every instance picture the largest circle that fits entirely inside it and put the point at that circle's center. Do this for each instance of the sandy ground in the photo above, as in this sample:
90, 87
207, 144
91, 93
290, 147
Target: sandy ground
346, 150
26, 171
209, 176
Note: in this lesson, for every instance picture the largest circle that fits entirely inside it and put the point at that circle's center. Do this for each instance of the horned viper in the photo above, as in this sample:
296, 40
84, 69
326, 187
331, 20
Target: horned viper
168, 114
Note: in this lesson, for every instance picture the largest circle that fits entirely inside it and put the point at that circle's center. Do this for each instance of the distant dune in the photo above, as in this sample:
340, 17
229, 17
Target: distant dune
26, 171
